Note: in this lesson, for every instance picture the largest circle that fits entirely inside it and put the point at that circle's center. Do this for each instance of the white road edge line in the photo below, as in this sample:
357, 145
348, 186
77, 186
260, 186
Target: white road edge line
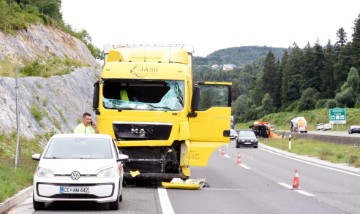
227, 156
315, 164
165, 203
297, 190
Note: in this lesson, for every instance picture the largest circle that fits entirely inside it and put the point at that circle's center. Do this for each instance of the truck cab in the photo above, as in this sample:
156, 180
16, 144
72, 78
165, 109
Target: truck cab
147, 101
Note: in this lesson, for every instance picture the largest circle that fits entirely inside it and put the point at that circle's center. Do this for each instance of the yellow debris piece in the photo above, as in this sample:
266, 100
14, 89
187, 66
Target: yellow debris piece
134, 173
178, 183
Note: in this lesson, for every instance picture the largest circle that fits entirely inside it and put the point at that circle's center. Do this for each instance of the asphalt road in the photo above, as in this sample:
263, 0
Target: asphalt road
262, 184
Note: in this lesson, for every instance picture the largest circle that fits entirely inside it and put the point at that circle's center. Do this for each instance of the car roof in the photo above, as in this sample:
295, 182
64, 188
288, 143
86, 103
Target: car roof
82, 135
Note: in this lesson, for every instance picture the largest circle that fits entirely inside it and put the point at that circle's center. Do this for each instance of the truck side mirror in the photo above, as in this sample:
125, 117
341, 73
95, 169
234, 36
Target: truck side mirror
96, 98
195, 101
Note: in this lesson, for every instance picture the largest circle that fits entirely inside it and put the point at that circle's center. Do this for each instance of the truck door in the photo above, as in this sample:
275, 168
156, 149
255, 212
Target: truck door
209, 120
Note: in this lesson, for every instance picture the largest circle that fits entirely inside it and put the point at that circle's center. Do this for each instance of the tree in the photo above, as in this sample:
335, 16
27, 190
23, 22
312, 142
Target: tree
347, 97
356, 44
308, 99
267, 104
269, 73
327, 75
341, 37
291, 90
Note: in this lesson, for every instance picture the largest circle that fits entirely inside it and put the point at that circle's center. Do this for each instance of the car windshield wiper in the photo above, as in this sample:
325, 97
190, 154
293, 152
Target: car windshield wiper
165, 107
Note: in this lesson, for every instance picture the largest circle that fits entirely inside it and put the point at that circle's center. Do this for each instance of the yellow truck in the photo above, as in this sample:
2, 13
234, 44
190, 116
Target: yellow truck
147, 101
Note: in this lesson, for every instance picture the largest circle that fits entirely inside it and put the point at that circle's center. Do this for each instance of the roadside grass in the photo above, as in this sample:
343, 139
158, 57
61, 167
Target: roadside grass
13, 180
335, 153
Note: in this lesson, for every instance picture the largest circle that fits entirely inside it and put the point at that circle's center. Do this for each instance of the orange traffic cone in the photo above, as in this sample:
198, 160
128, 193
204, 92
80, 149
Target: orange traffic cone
296, 182
238, 161
223, 151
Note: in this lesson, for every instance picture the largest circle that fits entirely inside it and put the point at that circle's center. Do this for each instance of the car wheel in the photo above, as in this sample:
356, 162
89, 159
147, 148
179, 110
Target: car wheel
237, 146
255, 146
38, 205
115, 204
120, 198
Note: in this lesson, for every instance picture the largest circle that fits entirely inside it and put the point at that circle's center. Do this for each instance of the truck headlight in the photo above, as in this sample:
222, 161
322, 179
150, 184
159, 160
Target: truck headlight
43, 172
106, 173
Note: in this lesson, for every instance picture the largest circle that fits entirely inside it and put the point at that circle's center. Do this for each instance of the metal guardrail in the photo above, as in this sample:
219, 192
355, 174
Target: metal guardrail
325, 138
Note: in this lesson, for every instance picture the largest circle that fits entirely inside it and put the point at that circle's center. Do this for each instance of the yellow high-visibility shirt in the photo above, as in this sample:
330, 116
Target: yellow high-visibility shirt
82, 129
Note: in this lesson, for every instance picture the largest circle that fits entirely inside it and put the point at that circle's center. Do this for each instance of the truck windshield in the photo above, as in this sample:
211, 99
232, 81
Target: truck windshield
159, 95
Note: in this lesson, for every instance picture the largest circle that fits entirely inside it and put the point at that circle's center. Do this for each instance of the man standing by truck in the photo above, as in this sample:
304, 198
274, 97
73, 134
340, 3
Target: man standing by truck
86, 126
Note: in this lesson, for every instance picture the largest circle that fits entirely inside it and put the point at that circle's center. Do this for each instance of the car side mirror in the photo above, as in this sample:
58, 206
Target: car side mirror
36, 157
123, 158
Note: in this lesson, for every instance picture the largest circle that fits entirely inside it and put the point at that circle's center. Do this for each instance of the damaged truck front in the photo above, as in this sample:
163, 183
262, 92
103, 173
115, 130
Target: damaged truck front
146, 100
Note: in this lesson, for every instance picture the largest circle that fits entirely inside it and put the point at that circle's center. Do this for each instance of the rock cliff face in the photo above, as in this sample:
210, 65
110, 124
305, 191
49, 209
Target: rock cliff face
53, 104
39, 41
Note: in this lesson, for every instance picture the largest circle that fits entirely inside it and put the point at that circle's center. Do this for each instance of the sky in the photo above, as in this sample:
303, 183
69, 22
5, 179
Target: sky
212, 25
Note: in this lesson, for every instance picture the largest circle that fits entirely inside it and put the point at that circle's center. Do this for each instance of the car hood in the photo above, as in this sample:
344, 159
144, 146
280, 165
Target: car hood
247, 138
84, 166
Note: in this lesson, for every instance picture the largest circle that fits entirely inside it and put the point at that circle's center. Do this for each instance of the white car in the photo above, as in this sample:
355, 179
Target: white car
79, 167
327, 126
320, 126
233, 134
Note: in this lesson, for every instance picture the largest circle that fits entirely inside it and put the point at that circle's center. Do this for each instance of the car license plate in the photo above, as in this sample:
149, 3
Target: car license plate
74, 190
247, 143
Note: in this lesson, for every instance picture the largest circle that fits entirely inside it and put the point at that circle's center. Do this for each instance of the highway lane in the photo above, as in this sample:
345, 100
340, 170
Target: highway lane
261, 187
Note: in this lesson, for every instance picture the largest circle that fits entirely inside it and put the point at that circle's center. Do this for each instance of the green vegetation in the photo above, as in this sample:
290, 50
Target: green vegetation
56, 123
36, 112
313, 117
239, 56
301, 79
335, 153
19, 14
49, 67
13, 180
61, 114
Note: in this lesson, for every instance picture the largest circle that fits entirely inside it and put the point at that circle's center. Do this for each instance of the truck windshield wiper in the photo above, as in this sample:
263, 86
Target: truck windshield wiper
165, 107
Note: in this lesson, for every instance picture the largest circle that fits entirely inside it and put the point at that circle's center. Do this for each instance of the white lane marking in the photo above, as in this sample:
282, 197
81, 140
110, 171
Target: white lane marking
223, 189
310, 163
244, 166
227, 156
297, 190
165, 202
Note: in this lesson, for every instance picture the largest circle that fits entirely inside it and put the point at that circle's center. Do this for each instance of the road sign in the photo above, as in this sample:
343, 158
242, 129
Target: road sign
337, 116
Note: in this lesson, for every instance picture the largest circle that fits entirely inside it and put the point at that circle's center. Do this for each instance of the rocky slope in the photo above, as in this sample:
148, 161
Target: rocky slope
46, 105
39, 41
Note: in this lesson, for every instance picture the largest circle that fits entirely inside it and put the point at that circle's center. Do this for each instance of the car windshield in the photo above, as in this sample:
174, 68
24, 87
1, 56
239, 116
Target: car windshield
159, 95
79, 148
246, 134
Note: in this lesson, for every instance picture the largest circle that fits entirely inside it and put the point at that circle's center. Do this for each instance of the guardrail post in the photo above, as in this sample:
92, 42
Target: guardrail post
289, 141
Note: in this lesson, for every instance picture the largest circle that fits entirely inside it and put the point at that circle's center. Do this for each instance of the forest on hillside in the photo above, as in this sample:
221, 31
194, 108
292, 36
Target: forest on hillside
301, 79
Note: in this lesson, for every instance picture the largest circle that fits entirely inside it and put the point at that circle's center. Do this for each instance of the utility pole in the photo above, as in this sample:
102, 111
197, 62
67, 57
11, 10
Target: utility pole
18, 148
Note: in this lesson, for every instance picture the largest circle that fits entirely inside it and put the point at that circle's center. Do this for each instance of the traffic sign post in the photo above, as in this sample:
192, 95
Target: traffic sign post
337, 116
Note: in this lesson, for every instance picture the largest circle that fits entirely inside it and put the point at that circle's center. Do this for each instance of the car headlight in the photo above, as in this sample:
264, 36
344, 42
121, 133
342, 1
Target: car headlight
43, 172
242, 140
106, 173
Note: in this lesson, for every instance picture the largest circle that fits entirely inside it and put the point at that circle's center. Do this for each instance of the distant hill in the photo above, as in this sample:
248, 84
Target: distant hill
238, 56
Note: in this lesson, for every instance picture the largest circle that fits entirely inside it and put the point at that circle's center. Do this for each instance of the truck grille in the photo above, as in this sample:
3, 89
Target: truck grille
142, 131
